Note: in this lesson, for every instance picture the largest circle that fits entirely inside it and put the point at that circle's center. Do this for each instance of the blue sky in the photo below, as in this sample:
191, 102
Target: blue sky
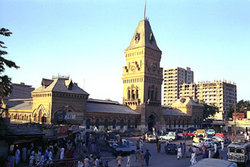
86, 39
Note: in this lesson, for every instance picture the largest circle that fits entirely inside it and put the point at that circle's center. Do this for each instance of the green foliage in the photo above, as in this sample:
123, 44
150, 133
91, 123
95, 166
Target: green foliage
241, 107
209, 111
5, 81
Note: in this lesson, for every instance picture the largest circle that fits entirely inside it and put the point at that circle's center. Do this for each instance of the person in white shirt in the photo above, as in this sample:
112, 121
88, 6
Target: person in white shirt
215, 147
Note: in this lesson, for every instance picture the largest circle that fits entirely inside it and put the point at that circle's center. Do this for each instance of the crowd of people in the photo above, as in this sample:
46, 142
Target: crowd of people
82, 149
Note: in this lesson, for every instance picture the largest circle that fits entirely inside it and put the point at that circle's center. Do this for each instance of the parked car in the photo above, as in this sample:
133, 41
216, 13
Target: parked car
198, 142
167, 137
151, 138
126, 147
171, 148
210, 132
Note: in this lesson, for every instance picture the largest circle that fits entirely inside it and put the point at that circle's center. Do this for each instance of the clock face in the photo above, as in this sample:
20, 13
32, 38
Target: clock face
137, 37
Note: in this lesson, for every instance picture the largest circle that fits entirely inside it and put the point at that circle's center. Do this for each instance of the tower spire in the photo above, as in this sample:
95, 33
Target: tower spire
145, 9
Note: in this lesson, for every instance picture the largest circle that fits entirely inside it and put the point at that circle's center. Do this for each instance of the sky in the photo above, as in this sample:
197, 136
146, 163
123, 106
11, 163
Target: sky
86, 39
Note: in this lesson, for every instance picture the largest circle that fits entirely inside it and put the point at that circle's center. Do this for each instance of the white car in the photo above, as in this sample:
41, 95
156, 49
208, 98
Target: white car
151, 138
208, 142
167, 137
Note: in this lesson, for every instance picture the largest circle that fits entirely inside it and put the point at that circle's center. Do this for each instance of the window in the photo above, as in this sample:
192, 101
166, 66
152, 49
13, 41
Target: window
122, 124
114, 124
129, 124
106, 123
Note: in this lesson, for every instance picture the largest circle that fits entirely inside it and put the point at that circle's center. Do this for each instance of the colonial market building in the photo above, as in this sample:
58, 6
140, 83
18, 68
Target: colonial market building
61, 101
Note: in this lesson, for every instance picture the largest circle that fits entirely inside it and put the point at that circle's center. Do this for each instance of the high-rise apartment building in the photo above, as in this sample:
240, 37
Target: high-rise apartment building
173, 78
221, 94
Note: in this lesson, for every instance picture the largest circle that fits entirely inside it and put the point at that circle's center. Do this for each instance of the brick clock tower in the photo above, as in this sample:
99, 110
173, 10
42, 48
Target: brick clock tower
142, 76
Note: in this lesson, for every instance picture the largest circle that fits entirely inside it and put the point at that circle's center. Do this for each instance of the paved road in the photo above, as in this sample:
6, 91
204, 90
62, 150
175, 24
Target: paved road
161, 159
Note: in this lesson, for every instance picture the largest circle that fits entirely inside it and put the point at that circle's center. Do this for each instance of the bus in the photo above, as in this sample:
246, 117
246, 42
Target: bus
239, 151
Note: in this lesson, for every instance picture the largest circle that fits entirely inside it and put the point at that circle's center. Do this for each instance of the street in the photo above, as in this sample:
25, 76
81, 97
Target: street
162, 159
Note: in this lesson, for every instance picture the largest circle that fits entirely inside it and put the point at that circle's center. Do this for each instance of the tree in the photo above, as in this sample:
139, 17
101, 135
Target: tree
241, 107
5, 81
209, 111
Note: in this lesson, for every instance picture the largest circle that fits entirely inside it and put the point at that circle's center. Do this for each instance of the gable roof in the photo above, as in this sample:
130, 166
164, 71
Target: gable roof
59, 85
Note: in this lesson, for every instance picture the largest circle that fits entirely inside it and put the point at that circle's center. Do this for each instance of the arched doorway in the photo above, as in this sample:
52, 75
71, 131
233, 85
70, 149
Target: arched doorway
151, 122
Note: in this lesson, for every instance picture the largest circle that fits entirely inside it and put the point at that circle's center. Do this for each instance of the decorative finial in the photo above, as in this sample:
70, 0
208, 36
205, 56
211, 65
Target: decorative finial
145, 10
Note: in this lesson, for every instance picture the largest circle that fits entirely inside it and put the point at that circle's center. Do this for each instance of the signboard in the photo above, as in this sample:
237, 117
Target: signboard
238, 115
62, 131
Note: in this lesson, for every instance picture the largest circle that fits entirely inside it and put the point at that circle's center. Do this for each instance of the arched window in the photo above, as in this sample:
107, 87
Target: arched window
129, 124
35, 117
106, 123
133, 94
114, 124
97, 123
122, 124
169, 123
183, 123
174, 123
136, 94
87, 123
128, 94
44, 118
179, 123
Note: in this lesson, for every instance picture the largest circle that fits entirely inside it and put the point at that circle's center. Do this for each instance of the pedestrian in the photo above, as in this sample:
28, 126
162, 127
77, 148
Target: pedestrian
193, 158
210, 153
147, 156
86, 162
17, 156
119, 160
32, 158
222, 146
159, 146
215, 147
141, 144
137, 154
96, 163
179, 152
142, 158
184, 150
61, 153
128, 160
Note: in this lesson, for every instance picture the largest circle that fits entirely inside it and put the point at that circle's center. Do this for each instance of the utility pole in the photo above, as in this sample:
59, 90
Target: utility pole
235, 119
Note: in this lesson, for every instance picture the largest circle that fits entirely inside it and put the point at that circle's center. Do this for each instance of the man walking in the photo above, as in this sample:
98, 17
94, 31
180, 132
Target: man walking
147, 156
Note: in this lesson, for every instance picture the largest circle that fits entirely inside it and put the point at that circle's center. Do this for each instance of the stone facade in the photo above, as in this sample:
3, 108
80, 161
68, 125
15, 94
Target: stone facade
142, 76
190, 107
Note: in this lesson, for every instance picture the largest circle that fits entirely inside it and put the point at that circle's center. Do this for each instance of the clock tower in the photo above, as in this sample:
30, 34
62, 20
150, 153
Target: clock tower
142, 76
